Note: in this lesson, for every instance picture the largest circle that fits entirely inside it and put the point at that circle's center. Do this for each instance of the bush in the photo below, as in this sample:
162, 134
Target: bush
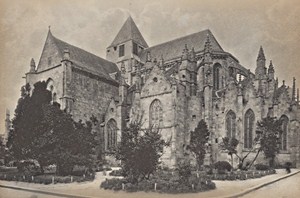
116, 173
262, 167
166, 182
222, 166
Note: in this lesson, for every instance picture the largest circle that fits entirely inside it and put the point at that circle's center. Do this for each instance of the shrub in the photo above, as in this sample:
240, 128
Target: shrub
222, 166
262, 167
116, 173
184, 170
166, 182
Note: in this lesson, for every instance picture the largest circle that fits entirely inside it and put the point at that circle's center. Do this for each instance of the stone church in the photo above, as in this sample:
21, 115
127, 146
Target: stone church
172, 86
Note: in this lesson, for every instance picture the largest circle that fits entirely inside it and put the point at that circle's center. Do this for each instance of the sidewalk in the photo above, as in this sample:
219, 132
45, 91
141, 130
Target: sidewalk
91, 189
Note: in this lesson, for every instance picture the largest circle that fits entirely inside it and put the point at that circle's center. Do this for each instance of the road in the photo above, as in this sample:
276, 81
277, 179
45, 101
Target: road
11, 193
286, 188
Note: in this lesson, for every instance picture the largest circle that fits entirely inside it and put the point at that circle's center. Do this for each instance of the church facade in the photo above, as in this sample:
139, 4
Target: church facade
171, 86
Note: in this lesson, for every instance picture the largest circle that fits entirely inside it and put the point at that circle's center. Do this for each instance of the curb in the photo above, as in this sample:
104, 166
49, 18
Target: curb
44, 192
247, 191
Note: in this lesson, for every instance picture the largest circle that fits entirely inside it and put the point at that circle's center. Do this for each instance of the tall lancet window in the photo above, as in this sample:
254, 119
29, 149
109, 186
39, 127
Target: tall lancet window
283, 136
155, 114
230, 124
111, 129
216, 76
248, 128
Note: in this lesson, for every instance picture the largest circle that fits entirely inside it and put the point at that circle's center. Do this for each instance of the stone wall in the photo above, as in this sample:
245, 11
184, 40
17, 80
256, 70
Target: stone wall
91, 96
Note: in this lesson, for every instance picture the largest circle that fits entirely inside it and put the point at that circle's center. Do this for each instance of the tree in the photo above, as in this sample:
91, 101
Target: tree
2, 149
268, 132
230, 145
198, 142
140, 151
43, 132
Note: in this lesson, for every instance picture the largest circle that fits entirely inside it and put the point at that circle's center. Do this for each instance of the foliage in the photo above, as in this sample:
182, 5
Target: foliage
165, 182
43, 132
268, 132
2, 148
230, 145
140, 151
222, 166
198, 142
241, 175
116, 173
184, 170
261, 167
44, 179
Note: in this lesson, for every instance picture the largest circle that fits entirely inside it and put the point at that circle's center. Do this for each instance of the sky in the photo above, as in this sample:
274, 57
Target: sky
240, 26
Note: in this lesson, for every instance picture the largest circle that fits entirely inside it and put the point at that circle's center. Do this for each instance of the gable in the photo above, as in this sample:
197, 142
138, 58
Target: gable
54, 49
156, 83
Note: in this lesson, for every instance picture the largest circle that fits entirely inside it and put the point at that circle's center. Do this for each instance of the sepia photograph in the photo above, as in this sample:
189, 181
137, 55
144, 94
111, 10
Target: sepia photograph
149, 99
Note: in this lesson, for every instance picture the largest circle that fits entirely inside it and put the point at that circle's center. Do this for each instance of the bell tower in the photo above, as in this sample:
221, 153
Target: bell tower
125, 49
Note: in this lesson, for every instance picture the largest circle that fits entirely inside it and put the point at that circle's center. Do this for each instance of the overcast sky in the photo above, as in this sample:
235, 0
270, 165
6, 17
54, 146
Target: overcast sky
240, 26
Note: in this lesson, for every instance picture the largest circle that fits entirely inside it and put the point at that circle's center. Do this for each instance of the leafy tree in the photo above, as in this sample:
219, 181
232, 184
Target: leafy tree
198, 142
43, 132
230, 145
2, 149
140, 151
268, 132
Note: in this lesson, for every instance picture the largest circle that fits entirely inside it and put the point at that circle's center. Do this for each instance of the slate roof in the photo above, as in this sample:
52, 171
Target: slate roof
173, 49
85, 60
129, 31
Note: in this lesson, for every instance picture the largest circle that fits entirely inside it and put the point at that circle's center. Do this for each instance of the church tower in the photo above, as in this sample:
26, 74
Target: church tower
260, 71
125, 48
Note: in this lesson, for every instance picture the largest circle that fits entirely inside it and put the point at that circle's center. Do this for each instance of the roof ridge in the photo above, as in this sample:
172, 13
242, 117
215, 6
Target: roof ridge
177, 39
57, 39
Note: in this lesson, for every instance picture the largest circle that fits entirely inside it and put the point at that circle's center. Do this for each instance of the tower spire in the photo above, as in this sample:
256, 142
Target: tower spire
32, 65
260, 70
271, 67
185, 52
207, 45
298, 96
261, 54
294, 90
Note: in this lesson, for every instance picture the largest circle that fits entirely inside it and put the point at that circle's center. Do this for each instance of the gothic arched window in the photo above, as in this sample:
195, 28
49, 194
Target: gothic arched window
155, 114
248, 128
283, 136
216, 76
230, 124
111, 128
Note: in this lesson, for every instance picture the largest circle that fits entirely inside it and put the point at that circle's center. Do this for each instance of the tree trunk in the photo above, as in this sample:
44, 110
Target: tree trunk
231, 161
42, 169
254, 159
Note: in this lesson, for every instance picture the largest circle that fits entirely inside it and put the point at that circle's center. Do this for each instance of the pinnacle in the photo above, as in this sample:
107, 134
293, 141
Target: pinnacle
261, 54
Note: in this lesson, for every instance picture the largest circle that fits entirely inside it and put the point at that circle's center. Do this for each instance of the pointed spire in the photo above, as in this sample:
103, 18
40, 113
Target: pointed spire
271, 67
276, 83
207, 45
32, 65
129, 31
148, 57
261, 54
185, 53
294, 89
298, 96
161, 62
193, 54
